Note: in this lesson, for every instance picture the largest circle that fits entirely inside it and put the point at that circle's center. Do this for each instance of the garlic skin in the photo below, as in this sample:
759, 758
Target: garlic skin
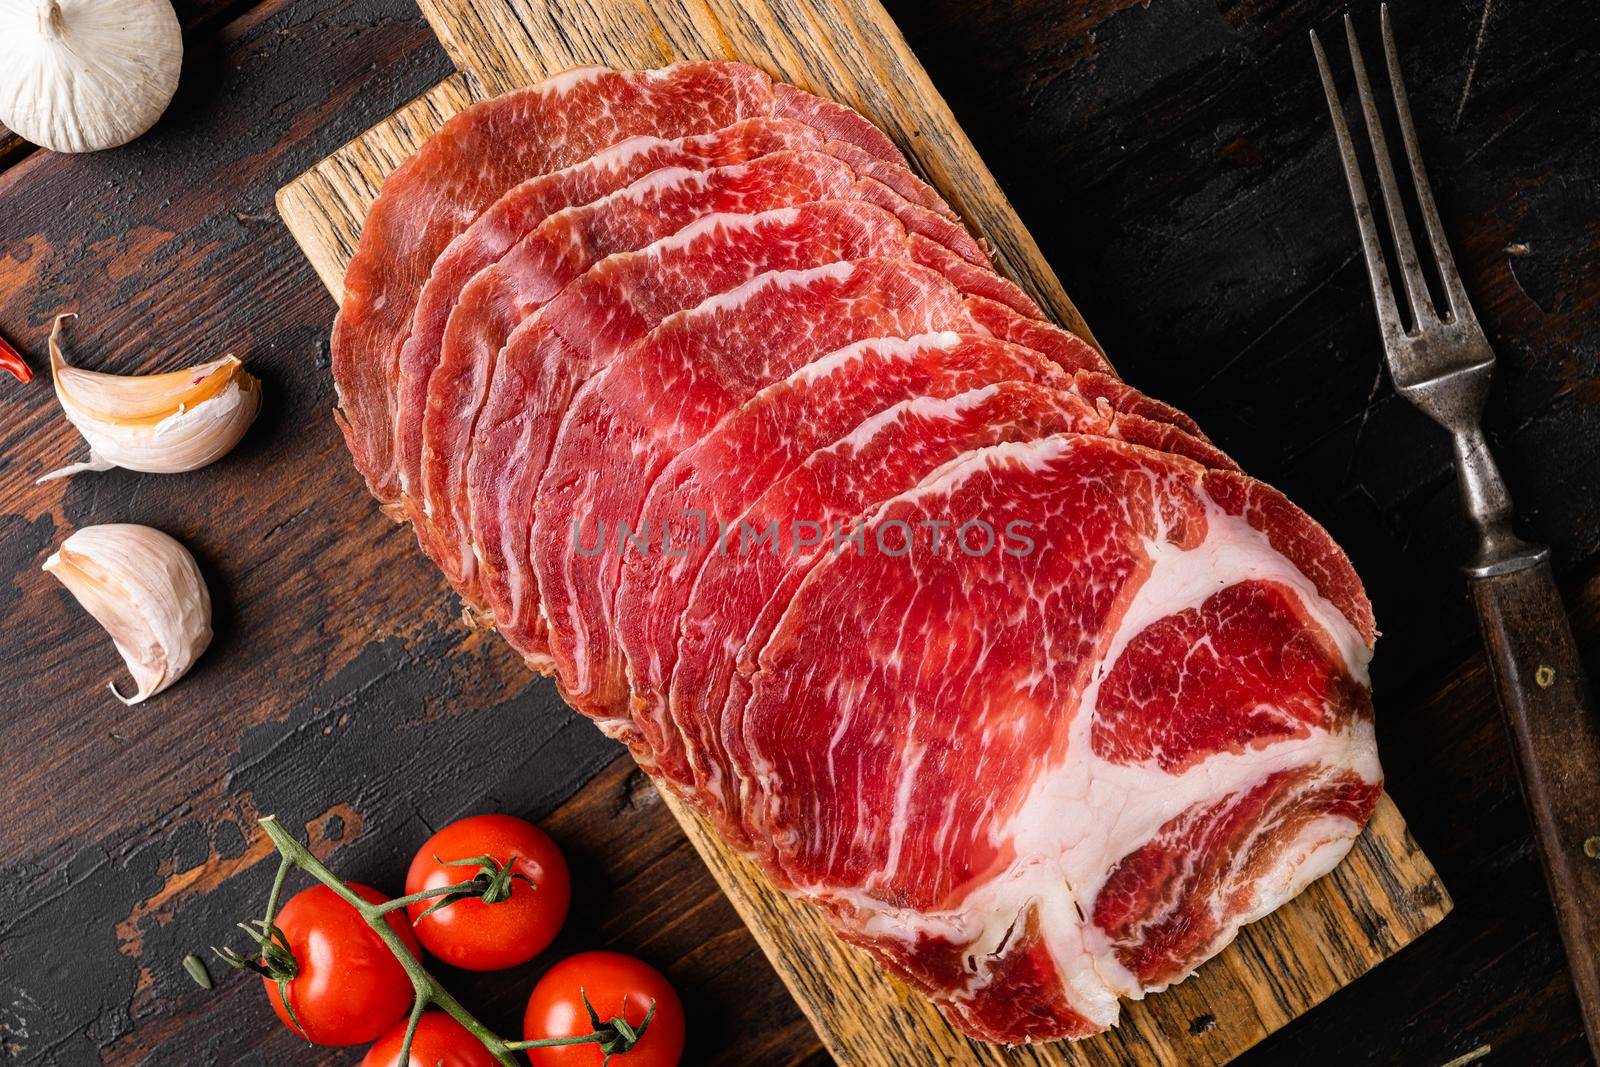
82, 75
156, 423
146, 590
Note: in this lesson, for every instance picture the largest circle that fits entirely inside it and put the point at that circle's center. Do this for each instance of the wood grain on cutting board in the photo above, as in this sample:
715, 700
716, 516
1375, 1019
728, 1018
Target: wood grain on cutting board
1382, 897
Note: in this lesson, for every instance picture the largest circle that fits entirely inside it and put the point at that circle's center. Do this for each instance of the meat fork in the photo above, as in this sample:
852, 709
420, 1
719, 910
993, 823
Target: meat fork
1442, 363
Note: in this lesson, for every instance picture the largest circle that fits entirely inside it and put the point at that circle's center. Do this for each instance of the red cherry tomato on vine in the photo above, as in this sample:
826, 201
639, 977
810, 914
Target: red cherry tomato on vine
616, 985
348, 987
440, 1041
473, 933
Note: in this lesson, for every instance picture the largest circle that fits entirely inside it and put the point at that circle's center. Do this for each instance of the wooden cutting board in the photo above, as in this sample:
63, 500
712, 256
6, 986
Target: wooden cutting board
1382, 896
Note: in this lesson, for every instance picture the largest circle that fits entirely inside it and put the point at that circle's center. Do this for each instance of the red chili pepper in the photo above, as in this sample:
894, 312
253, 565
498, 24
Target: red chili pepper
11, 360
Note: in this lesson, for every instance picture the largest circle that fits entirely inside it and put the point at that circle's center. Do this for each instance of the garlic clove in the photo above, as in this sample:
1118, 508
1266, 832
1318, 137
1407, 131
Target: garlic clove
146, 590
82, 75
156, 423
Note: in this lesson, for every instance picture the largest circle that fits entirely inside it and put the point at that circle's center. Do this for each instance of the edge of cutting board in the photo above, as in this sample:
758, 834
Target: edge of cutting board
1384, 895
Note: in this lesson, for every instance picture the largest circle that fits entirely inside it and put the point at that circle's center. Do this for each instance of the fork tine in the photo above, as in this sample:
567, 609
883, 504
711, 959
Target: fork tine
1455, 292
1377, 271
1405, 251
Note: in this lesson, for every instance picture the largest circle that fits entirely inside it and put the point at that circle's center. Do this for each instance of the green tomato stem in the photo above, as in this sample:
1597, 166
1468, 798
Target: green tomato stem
276, 896
551, 1042
427, 894
404, 1059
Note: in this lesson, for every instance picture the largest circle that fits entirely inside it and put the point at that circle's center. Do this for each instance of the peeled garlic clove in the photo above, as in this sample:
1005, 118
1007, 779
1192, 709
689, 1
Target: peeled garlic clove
146, 590
157, 423
81, 75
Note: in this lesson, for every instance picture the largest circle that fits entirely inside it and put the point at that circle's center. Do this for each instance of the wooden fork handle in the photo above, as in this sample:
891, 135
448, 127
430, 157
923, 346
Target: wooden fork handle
1556, 734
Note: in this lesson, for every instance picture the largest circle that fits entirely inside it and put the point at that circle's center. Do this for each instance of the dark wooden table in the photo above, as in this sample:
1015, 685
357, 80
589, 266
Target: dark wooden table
1175, 162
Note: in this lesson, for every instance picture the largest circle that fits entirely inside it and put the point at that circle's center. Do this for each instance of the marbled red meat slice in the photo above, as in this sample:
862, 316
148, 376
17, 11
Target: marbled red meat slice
476, 156
838, 122
734, 599
1068, 349
552, 353
504, 294
560, 250
1023, 998
1190, 684
919, 728
755, 448
497, 232
498, 534
1124, 397
611, 446
707, 486
490, 243
948, 248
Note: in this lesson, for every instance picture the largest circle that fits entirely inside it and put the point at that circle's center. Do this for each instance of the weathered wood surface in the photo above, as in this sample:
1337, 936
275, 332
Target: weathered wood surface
1175, 163
1382, 898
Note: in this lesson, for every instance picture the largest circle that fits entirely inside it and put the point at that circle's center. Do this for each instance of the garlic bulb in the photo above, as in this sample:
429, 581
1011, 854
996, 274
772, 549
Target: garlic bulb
157, 423
146, 590
81, 75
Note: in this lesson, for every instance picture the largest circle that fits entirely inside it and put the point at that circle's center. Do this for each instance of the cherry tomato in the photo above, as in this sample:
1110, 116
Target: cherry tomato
615, 985
473, 933
348, 988
440, 1041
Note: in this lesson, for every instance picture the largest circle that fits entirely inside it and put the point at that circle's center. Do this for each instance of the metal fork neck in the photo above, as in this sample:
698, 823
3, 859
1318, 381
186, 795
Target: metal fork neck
1500, 550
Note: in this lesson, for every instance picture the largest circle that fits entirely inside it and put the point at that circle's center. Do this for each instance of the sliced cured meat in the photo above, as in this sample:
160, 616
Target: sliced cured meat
497, 232
551, 354
1179, 898
1190, 684
734, 598
502, 503
834, 119
1124, 397
706, 488
565, 244
611, 447
1255, 518
948, 248
941, 786
1068, 349
707, 363
561, 249
476, 156
521, 211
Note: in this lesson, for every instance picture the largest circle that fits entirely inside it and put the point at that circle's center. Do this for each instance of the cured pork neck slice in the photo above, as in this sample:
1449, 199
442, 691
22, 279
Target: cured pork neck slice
485, 150
490, 461
493, 243
699, 494
865, 404
698, 367
568, 242
500, 230
733, 598
508, 439
611, 446
1038, 781
560, 250
477, 155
